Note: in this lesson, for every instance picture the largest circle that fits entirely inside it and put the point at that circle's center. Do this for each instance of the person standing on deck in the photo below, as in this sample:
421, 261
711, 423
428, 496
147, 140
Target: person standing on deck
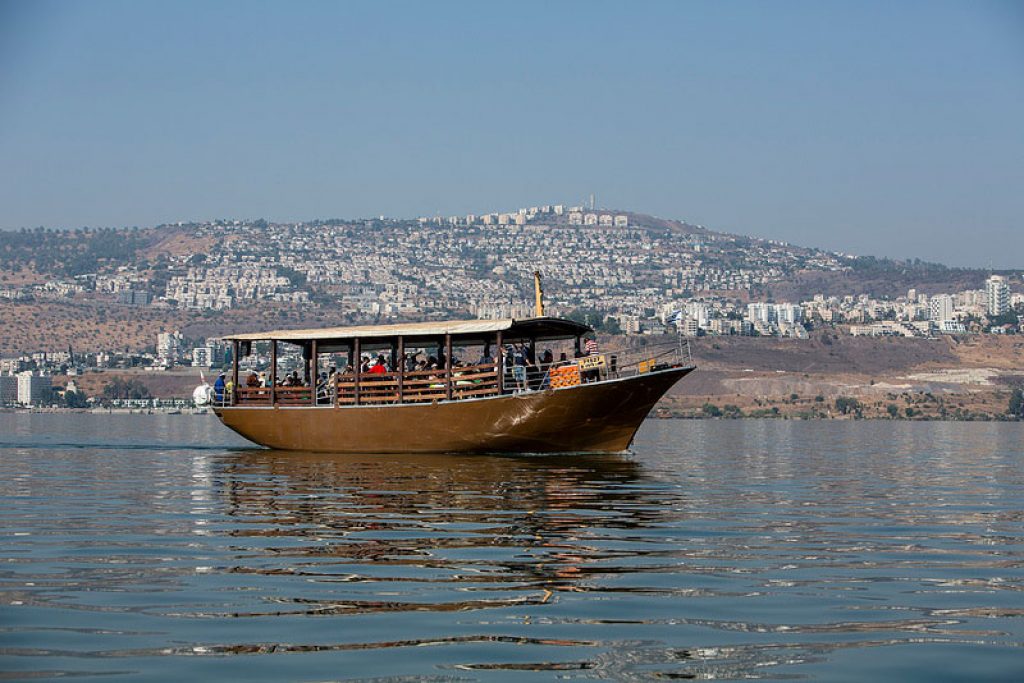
218, 388
520, 361
590, 349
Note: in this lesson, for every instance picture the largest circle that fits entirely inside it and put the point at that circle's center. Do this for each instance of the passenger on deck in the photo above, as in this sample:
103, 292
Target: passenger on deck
520, 363
590, 349
218, 388
252, 381
378, 368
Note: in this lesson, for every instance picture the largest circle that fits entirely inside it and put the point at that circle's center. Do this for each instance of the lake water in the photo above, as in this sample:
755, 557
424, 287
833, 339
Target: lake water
165, 548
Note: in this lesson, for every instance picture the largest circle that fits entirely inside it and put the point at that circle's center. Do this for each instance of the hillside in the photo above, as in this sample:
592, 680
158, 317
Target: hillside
804, 378
116, 289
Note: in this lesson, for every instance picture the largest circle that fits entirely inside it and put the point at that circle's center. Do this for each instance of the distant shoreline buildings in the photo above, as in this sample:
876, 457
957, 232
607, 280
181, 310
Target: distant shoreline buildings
619, 271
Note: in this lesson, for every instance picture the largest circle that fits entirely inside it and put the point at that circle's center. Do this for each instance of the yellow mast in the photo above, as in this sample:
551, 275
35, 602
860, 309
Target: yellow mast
538, 307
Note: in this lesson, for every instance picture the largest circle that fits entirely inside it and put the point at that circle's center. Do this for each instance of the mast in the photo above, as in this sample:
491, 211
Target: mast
538, 295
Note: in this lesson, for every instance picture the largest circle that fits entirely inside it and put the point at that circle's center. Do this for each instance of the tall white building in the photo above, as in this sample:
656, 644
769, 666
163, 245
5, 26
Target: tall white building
998, 291
168, 347
202, 357
689, 327
630, 324
789, 313
700, 312
33, 389
759, 313
940, 307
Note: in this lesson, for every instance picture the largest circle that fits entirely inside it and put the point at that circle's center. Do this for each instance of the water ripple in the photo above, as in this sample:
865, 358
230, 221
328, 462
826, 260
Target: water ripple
718, 550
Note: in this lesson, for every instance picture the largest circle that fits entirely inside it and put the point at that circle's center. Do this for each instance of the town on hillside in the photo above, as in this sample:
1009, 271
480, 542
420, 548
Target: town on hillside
171, 291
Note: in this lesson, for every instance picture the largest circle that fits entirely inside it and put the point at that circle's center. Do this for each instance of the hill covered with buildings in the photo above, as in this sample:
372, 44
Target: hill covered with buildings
620, 270
143, 299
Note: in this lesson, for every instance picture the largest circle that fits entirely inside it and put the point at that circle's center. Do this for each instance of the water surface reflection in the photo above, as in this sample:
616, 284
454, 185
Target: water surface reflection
716, 550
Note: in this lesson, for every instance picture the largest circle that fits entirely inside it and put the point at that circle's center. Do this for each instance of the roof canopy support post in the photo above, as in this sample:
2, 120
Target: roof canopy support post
579, 348
314, 372
448, 366
273, 372
234, 372
499, 364
401, 369
357, 367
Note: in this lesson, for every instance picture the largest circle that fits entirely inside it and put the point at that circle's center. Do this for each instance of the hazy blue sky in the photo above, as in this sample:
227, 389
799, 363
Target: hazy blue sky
889, 128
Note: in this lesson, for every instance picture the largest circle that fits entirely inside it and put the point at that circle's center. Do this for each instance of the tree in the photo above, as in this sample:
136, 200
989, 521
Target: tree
711, 410
730, 410
118, 388
611, 326
75, 399
893, 410
1016, 407
847, 406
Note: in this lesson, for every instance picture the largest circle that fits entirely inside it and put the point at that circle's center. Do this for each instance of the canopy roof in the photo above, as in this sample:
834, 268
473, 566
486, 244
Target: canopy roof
530, 328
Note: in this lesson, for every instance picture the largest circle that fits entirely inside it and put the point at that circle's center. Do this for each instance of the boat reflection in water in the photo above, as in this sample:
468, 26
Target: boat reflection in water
428, 529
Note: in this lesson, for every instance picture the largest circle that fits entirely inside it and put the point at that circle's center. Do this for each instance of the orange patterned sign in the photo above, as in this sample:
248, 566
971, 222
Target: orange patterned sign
565, 376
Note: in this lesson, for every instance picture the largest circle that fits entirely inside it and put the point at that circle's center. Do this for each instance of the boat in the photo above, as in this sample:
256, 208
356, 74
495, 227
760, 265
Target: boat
583, 402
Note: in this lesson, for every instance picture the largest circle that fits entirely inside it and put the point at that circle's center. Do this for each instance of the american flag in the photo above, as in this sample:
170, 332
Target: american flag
590, 347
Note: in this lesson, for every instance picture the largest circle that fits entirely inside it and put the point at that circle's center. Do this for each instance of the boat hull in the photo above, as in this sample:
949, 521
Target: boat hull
599, 417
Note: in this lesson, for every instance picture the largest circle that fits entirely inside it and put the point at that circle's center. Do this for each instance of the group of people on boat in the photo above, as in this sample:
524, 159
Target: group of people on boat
522, 368
530, 373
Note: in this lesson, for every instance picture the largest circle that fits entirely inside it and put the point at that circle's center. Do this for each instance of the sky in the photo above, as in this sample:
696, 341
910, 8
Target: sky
886, 128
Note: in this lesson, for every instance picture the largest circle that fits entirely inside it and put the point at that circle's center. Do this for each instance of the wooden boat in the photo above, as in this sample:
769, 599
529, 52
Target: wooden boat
587, 403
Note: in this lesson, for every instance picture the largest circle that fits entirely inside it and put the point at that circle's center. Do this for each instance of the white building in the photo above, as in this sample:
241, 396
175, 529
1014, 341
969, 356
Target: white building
998, 291
33, 389
699, 312
760, 313
168, 347
202, 357
940, 307
952, 327
790, 314
630, 324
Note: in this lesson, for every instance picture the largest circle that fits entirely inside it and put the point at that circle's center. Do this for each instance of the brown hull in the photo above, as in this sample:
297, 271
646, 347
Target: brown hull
599, 417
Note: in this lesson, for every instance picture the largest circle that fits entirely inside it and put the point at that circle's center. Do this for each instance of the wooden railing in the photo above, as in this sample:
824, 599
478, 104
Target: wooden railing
418, 386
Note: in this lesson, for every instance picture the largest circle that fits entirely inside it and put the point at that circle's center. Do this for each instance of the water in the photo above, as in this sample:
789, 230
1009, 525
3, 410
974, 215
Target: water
164, 548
